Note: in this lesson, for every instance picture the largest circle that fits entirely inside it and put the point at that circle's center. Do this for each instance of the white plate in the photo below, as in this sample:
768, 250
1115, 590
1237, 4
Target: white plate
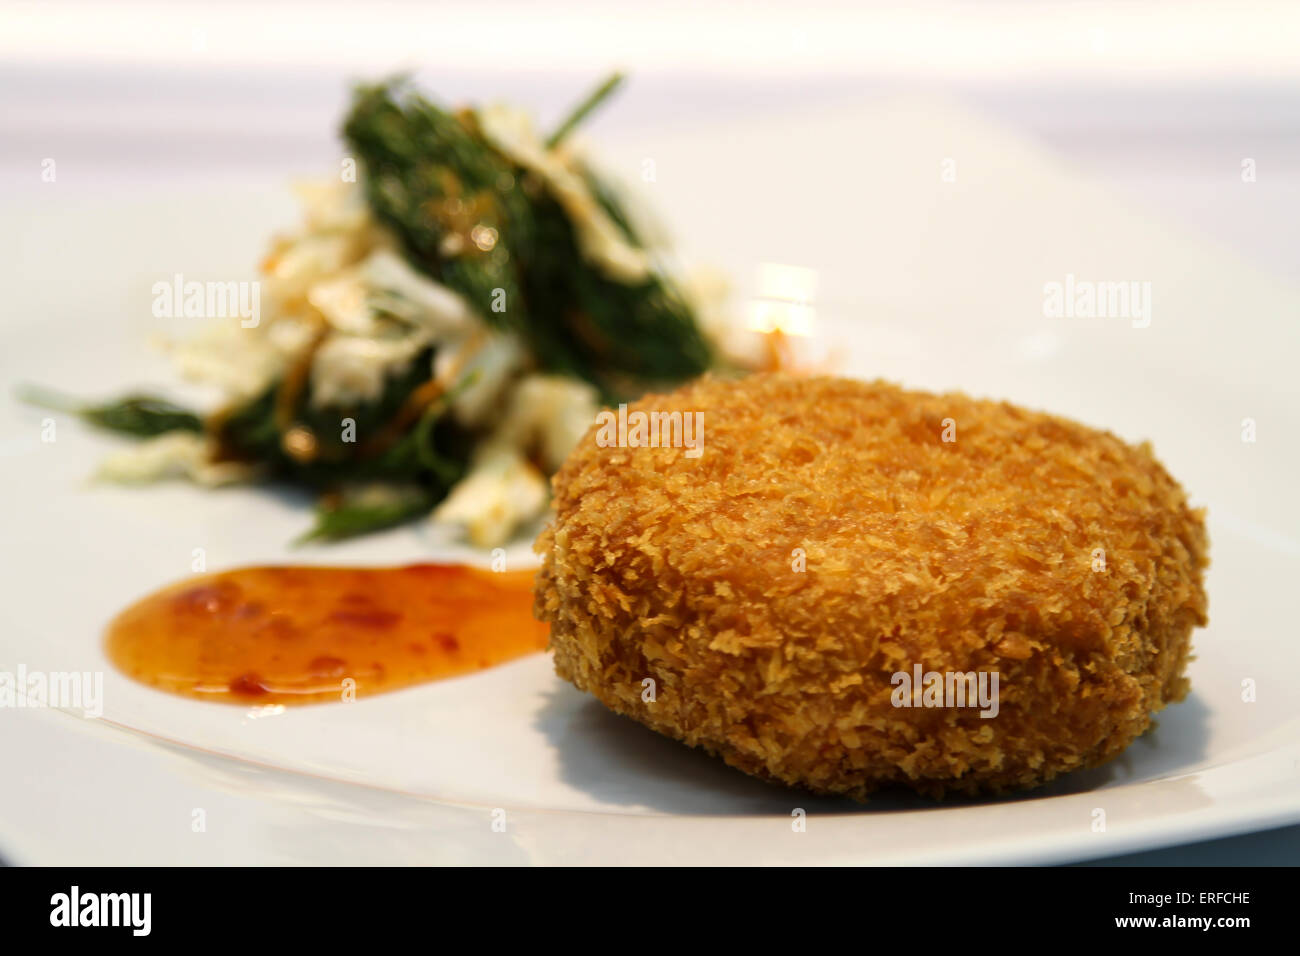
933, 283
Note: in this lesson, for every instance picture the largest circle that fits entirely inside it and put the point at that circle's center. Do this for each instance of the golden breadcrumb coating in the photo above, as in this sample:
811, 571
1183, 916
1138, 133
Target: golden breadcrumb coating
975, 554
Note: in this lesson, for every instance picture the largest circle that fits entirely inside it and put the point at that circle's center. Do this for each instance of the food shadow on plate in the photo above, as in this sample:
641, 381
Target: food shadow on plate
625, 765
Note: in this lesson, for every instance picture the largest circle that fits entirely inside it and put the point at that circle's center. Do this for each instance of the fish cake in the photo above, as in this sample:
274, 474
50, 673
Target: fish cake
761, 597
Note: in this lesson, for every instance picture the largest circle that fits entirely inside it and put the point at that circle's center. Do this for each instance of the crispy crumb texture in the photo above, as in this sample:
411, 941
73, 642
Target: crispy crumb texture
976, 554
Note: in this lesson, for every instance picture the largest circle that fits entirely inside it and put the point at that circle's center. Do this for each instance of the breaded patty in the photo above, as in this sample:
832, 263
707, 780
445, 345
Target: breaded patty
828, 538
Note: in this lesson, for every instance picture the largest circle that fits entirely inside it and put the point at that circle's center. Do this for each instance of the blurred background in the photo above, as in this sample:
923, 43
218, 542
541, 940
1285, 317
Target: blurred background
1160, 100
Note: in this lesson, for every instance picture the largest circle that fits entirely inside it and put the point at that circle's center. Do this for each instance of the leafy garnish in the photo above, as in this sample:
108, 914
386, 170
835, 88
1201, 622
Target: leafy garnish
434, 180
348, 518
143, 416
583, 109
476, 220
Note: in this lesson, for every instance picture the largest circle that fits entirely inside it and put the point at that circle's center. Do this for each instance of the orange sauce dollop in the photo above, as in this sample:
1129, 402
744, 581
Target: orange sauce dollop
292, 635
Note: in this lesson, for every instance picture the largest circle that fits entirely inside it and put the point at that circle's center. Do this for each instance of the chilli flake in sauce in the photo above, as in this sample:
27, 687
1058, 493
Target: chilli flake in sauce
291, 635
